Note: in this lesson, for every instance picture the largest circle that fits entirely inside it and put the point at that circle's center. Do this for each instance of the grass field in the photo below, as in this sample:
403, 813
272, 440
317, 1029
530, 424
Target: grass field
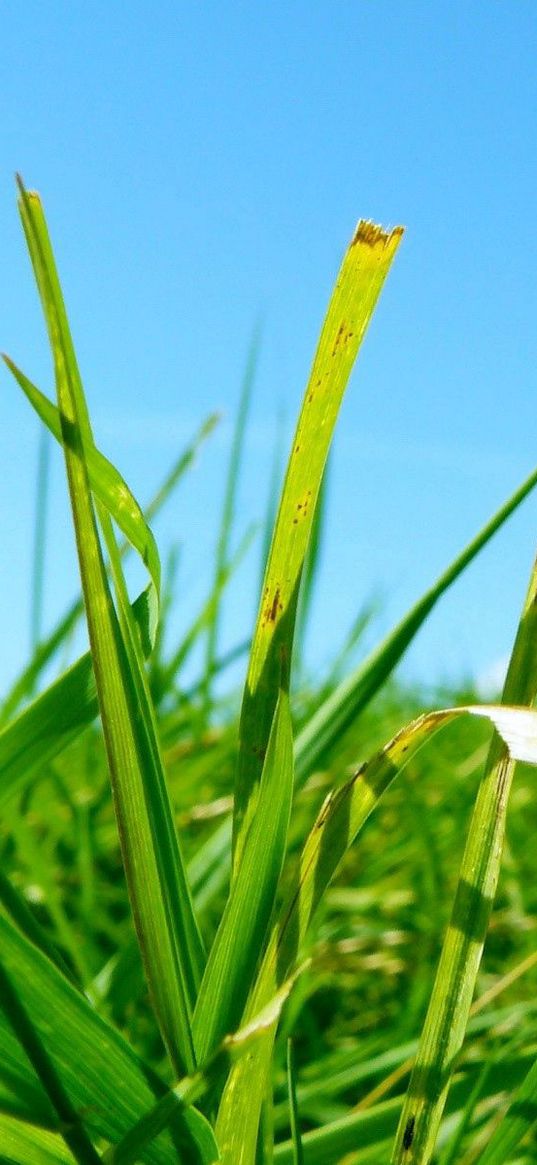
249, 927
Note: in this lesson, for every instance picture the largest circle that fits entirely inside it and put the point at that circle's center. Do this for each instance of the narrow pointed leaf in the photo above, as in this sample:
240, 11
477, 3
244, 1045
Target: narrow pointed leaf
357, 289
160, 898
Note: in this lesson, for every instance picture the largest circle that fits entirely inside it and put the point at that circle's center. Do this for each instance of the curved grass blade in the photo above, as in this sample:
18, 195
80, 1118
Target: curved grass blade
357, 289
447, 1015
26, 682
103, 1078
158, 889
105, 480
342, 816
242, 932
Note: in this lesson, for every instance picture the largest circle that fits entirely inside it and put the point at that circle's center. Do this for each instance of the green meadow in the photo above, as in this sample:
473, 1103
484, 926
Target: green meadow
291, 922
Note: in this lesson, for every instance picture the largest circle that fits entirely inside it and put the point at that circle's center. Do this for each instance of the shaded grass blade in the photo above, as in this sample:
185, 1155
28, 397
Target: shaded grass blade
160, 899
357, 289
447, 1015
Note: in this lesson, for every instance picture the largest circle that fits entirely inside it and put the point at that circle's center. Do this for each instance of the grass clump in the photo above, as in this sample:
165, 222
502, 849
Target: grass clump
196, 962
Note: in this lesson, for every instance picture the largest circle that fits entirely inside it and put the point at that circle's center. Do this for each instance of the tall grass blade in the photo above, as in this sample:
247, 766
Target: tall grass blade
160, 898
357, 289
445, 1024
342, 817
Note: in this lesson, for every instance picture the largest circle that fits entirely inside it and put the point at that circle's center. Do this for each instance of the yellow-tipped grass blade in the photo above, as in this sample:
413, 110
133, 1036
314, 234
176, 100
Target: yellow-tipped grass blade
358, 285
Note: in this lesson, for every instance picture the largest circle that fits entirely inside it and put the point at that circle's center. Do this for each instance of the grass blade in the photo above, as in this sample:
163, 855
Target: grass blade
357, 289
160, 899
107, 484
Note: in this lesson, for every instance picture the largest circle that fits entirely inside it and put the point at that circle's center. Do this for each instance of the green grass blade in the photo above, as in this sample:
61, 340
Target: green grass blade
357, 289
354, 692
69, 1121
102, 1076
445, 1024
164, 917
238, 944
341, 818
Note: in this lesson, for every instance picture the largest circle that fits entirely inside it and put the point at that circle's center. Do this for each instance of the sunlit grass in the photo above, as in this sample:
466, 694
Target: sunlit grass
197, 962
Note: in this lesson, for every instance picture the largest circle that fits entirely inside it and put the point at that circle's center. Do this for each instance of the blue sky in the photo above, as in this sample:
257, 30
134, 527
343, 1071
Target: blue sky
203, 166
